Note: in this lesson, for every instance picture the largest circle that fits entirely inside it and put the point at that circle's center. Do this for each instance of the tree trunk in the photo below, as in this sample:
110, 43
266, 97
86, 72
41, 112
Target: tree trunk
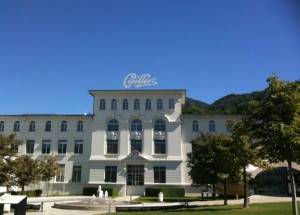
22, 191
214, 192
246, 202
293, 188
225, 193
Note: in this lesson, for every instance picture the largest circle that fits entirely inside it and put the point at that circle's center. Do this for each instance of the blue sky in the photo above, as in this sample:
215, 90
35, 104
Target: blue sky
53, 51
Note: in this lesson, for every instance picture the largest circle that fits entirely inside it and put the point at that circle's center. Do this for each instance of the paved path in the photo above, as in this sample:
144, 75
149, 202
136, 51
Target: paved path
49, 201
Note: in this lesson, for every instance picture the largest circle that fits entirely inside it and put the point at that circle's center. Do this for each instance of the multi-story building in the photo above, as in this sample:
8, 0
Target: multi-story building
134, 139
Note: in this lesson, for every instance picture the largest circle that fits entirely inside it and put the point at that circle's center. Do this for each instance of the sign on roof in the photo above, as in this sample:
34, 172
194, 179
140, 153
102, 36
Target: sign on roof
136, 81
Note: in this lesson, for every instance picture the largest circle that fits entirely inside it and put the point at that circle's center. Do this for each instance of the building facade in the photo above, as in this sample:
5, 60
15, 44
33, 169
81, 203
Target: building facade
134, 139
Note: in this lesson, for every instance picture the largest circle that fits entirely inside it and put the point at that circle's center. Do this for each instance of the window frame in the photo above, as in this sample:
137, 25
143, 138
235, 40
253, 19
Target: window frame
111, 174
159, 105
78, 147
76, 173
62, 147
159, 174
46, 147
31, 126
16, 126
102, 105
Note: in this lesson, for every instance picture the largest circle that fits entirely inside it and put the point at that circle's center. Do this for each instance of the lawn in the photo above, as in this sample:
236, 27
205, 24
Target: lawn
282, 208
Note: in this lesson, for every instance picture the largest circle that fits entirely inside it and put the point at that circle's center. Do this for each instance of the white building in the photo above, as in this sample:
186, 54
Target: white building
134, 139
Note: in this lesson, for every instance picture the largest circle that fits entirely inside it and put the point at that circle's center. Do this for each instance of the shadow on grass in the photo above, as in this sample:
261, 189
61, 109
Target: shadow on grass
205, 209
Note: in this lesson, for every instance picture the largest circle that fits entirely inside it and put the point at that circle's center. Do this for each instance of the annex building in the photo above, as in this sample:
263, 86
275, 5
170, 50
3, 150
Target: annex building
133, 139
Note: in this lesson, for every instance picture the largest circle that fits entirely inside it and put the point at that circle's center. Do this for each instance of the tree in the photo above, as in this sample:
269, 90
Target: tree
8, 152
275, 125
245, 152
49, 168
211, 161
25, 171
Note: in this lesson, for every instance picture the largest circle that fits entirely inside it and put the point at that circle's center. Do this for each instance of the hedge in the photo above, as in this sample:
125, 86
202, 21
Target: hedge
28, 193
89, 191
168, 192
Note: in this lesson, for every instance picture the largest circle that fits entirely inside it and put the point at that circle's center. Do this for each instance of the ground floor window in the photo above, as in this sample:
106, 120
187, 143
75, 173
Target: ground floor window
61, 173
30, 147
159, 174
110, 174
135, 175
76, 175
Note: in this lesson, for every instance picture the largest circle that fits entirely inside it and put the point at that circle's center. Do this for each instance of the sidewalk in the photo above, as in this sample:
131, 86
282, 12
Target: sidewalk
49, 202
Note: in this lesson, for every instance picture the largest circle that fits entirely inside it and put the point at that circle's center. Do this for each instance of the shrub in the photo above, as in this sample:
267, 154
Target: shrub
168, 192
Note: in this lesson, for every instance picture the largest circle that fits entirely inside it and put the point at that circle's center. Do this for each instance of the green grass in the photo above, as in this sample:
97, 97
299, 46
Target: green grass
282, 208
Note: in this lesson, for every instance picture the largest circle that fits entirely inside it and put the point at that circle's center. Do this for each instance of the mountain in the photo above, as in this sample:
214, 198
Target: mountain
229, 104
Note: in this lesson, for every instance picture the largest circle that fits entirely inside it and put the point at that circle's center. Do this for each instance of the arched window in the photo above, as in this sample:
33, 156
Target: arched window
125, 104
63, 126
80, 125
159, 104
16, 126
171, 104
114, 104
48, 126
195, 126
160, 125
148, 104
32, 126
1, 125
212, 126
102, 104
113, 125
136, 104
136, 125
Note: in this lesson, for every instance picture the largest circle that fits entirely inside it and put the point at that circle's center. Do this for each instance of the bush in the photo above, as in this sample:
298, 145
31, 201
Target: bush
168, 192
89, 191
28, 193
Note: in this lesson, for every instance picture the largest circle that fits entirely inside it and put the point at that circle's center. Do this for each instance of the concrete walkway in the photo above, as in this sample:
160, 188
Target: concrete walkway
49, 202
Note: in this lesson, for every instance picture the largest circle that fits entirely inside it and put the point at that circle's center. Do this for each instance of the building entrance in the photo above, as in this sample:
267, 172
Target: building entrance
135, 180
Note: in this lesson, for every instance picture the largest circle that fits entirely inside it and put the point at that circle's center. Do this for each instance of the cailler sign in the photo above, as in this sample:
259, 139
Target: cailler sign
134, 80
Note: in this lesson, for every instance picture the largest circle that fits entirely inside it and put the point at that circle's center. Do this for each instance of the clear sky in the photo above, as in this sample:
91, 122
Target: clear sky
53, 51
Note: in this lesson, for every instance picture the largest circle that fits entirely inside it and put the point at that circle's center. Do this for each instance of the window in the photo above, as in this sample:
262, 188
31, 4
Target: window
112, 146
110, 174
159, 146
32, 126
46, 146
148, 104
212, 126
48, 126
125, 104
136, 125
76, 174
136, 145
160, 125
113, 125
1, 125
102, 104
80, 125
195, 126
63, 126
16, 126
228, 126
136, 104
159, 174
78, 147
114, 104
60, 177
30, 147
62, 147
171, 104
159, 104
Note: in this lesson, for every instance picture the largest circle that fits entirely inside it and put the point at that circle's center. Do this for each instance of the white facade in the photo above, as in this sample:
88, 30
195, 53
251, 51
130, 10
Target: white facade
134, 139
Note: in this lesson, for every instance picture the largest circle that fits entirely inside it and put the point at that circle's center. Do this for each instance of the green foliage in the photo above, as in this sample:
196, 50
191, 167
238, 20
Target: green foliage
89, 191
28, 193
168, 192
8, 146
